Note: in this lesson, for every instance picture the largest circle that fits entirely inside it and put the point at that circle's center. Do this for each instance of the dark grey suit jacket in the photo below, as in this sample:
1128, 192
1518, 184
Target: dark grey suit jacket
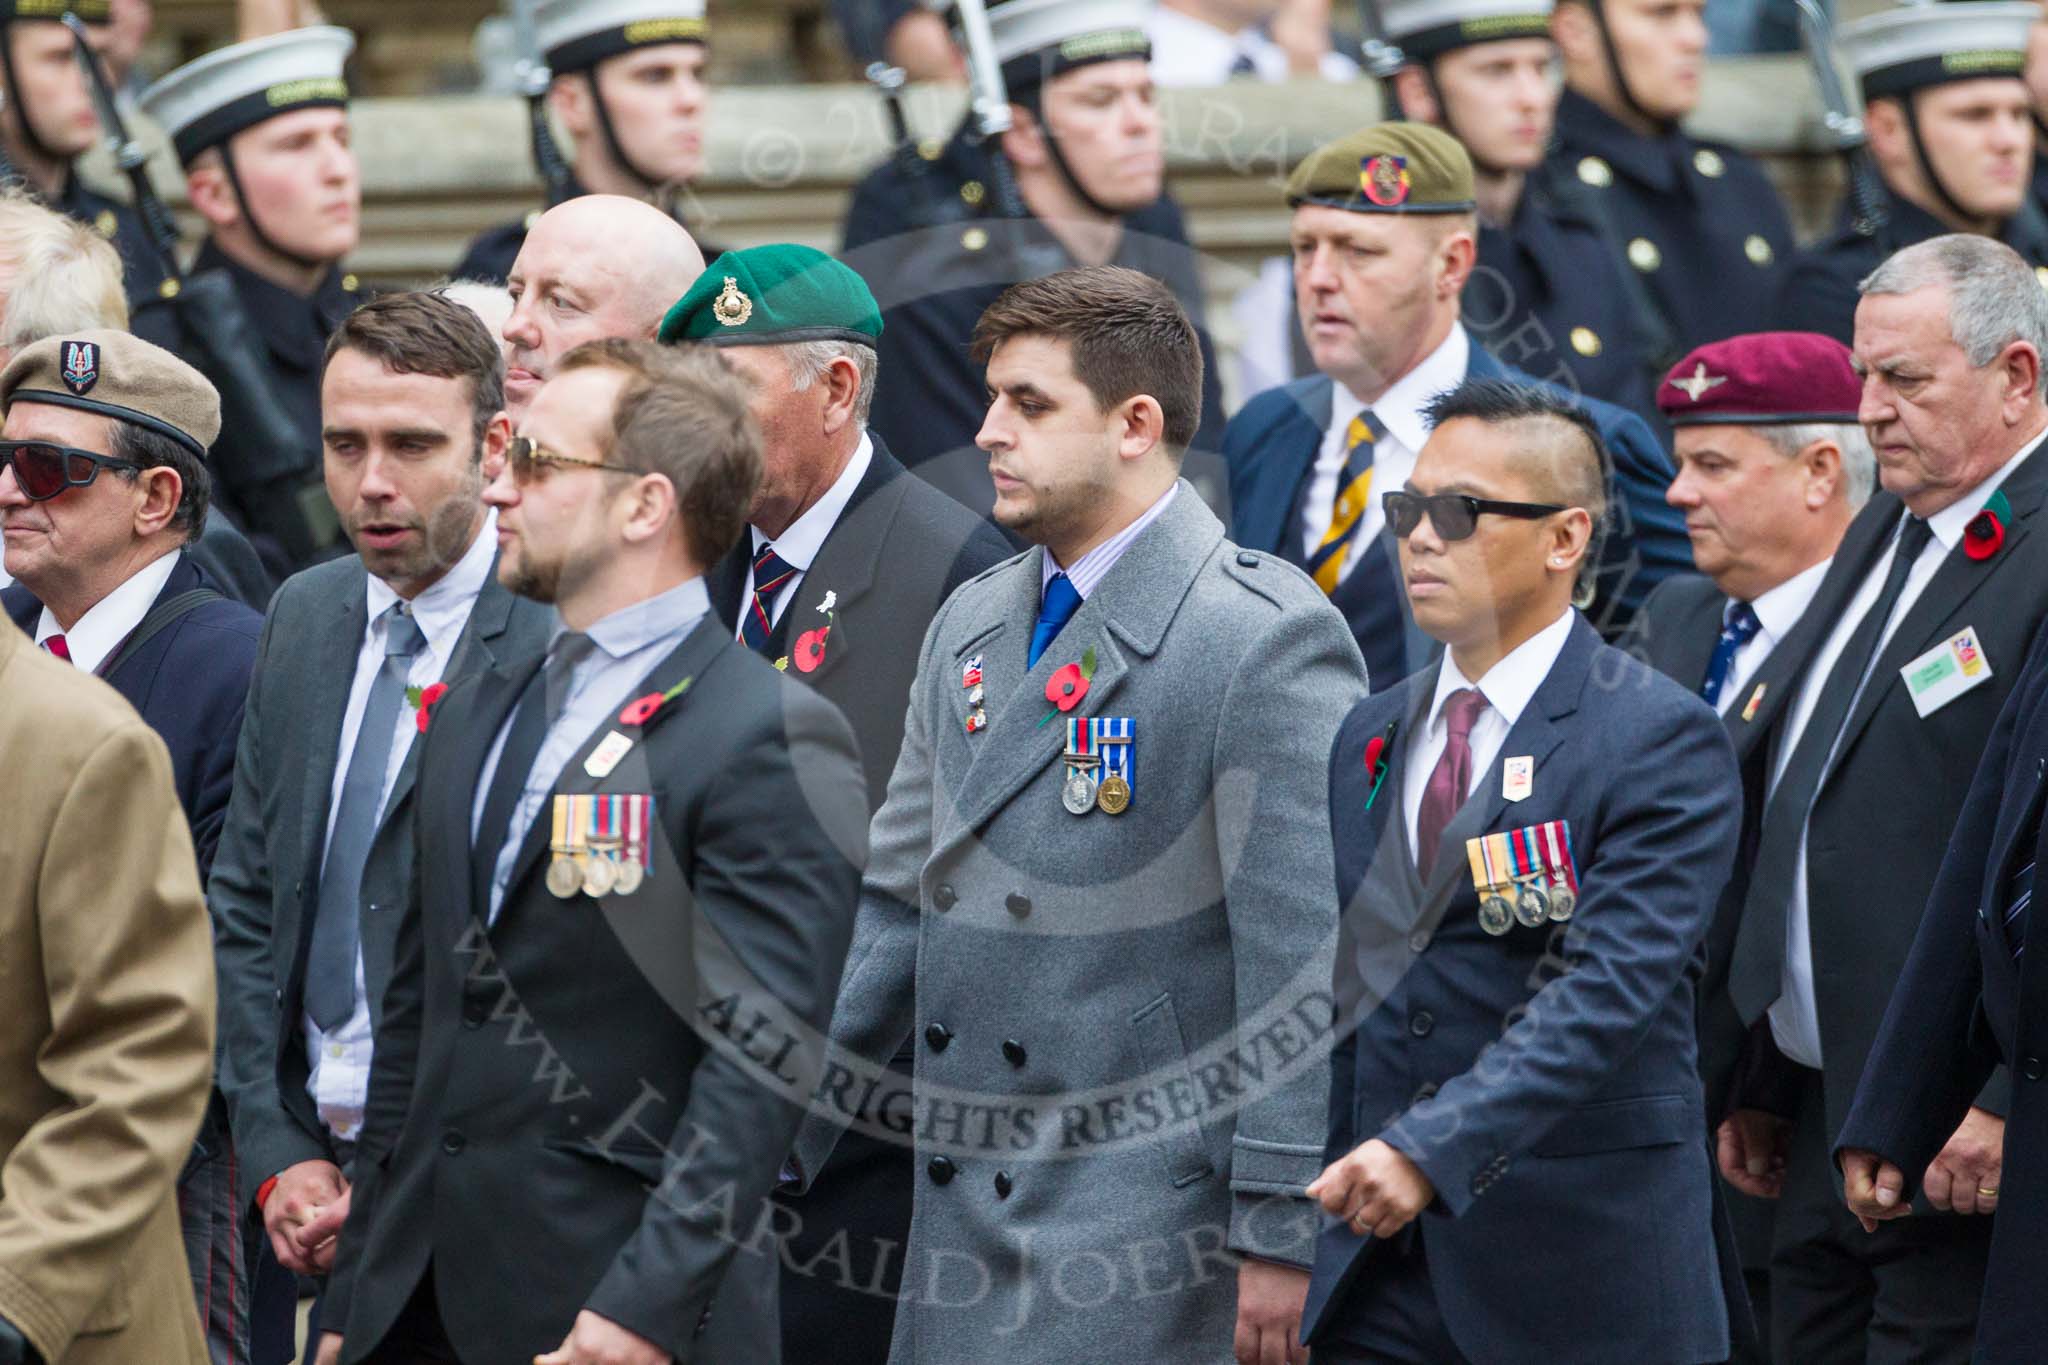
266, 874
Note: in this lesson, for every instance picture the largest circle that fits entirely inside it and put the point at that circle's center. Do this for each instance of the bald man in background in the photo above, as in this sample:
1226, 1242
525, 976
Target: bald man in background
597, 267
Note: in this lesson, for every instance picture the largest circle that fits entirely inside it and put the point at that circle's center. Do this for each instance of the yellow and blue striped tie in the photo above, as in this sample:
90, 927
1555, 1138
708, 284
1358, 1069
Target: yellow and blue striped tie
1354, 486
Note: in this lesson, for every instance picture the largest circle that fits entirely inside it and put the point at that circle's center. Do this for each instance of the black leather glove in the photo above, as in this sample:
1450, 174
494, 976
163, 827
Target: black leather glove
14, 1347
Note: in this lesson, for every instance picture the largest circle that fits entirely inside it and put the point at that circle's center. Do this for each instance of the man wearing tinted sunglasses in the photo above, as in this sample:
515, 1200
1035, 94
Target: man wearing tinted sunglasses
104, 490
1530, 836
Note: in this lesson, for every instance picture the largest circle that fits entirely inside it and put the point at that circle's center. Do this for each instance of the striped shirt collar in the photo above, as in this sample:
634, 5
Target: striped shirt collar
1089, 570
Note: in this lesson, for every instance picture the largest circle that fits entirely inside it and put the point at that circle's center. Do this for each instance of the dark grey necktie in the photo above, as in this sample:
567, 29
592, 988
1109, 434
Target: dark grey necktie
1757, 962
331, 965
539, 707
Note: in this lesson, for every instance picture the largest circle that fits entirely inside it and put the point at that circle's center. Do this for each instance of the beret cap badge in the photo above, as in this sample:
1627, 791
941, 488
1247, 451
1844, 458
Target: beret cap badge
81, 366
732, 308
1384, 179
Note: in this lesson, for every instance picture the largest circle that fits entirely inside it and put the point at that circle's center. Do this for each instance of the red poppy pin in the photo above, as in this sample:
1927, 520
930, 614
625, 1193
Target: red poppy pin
810, 649
642, 709
1986, 531
1067, 686
422, 700
1376, 763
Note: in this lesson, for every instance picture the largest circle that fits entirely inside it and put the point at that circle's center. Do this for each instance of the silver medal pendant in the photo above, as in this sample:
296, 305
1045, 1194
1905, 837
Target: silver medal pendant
1562, 903
1532, 907
1496, 916
1077, 794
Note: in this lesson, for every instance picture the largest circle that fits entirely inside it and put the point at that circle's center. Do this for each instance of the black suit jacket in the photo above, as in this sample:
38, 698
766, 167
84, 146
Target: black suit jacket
536, 1077
1675, 633
898, 550
266, 883
1966, 1007
1881, 819
189, 681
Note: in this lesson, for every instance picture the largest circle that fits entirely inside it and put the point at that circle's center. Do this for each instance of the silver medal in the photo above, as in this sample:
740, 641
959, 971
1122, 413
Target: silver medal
1562, 903
1496, 916
1077, 794
1532, 907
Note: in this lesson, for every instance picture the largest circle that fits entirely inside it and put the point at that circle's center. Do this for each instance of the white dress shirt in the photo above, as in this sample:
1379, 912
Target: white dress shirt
1393, 458
1777, 611
630, 643
1507, 687
799, 544
340, 1078
1090, 569
1795, 1017
95, 636
1188, 52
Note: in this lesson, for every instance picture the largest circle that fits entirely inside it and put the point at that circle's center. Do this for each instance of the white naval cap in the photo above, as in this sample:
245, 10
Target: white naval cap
1036, 40
205, 102
1920, 45
1428, 28
575, 35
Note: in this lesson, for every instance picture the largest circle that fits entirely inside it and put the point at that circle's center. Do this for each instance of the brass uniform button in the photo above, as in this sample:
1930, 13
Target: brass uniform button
1596, 172
168, 289
1758, 250
972, 192
1708, 162
1586, 341
1643, 255
931, 149
351, 283
106, 224
974, 239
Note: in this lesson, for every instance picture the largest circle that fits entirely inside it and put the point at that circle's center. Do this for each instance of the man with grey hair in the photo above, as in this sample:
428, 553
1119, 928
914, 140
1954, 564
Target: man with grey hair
1772, 466
600, 267
1935, 597
838, 532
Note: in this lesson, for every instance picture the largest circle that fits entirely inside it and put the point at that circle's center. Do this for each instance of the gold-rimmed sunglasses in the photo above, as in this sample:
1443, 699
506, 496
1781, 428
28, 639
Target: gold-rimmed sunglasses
524, 454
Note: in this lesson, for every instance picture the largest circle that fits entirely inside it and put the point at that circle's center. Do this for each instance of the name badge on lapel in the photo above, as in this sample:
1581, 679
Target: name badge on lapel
1517, 777
607, 754
1524, 876
1947, 671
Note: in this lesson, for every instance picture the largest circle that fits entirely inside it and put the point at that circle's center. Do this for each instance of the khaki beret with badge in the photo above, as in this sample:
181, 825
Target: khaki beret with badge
116, 374
88, 11
773, 295
1391, 167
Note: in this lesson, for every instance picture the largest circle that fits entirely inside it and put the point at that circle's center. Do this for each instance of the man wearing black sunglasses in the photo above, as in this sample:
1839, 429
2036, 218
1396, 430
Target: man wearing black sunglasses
103, 491
1530, 836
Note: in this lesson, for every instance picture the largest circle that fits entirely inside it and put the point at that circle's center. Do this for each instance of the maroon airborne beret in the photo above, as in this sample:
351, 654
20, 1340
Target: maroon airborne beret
1763, 378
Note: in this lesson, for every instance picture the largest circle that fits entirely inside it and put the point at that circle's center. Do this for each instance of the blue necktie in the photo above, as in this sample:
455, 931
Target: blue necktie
757, 616
1060, 603
2019, 894
1738, 626
331, 961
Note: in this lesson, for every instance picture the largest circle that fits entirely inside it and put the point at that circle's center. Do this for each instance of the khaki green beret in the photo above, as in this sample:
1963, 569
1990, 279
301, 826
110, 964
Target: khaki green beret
1387, 168
769, 295
116, 375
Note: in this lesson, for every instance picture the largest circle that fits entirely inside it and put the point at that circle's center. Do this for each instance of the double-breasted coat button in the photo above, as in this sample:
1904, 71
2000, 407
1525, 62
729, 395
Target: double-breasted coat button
1017, 903
1003, 1185
2031, 1068
1013, 1052
943, 896
1418, 940
940, 1169
453, 1142
1421, 1022
938, 1035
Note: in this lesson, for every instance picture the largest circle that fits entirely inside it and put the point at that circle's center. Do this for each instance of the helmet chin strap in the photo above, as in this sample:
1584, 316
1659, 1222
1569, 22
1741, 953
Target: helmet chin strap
1620, 77
1443, 116
12, 92
1909, 104
1034, 101
269, 243
653, 185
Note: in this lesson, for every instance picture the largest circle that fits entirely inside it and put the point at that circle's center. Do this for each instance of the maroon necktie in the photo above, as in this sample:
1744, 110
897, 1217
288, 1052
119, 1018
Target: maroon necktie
1451, 779
55, 644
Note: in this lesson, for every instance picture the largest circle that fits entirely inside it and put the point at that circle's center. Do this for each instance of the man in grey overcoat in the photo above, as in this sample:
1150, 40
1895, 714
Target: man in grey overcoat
1101, 893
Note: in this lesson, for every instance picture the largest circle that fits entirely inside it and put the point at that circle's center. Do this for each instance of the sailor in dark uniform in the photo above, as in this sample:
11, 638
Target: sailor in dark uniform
933, 241
628, 86
1697, 221
47, 119
1952, 135
1550, 294
261, 129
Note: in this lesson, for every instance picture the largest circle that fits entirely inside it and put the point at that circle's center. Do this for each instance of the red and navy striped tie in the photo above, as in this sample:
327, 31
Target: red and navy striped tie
757, 622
